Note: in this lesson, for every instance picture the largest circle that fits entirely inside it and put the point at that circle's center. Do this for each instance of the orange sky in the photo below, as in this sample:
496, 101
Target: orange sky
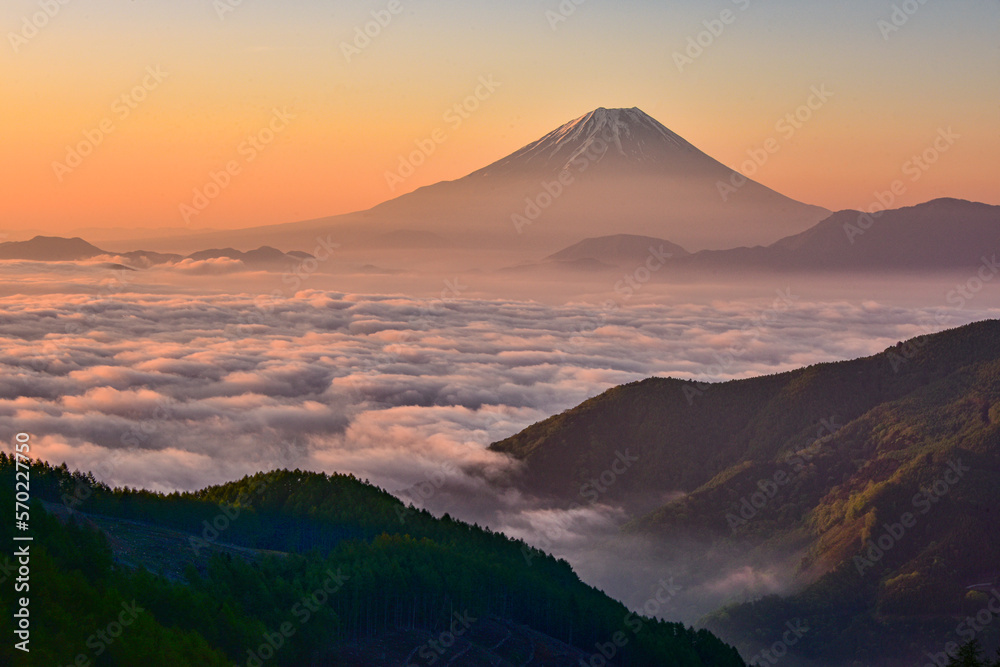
197, 87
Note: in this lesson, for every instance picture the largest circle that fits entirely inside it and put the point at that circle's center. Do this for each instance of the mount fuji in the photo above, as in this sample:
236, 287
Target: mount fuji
614, 139
609, 171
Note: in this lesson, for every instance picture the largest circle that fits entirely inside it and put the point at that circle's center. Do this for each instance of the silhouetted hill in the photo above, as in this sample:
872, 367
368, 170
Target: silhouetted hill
943, 234
58, 249
49, 249
939, 234
262, 257
619, 249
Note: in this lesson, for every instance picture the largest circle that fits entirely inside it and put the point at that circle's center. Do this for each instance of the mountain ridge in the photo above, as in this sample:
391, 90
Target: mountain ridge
337, 570
940, 233
822, 458
61, 249
49, 248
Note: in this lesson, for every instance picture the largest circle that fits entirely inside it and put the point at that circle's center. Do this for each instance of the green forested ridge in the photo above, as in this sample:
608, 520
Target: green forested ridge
336, 562
901, 449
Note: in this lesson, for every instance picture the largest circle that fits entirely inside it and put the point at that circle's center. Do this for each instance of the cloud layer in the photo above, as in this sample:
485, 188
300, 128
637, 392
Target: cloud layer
388, 387
169, 390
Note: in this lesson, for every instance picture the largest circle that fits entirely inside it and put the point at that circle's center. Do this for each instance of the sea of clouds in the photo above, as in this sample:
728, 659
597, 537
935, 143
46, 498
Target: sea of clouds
186, 390
167, 388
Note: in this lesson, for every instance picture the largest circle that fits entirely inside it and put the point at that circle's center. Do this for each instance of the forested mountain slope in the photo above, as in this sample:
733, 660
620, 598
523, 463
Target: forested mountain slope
874, 482
315, 570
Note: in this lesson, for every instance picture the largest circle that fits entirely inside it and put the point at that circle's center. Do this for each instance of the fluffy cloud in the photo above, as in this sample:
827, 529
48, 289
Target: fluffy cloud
387, 387
214, 266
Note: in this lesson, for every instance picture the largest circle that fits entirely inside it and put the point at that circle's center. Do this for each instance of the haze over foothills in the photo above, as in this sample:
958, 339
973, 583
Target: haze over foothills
172, 92
426, 243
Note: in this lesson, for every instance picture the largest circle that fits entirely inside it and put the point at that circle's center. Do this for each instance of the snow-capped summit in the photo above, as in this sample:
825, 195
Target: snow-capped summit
619, 136
631, 131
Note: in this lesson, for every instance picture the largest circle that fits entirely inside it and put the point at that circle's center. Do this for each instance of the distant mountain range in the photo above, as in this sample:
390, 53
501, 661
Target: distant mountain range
56, 249
941, 234
614, 170
873, 481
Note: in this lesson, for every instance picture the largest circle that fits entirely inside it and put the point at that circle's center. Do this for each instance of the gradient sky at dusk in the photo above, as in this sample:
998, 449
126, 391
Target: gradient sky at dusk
225, 76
